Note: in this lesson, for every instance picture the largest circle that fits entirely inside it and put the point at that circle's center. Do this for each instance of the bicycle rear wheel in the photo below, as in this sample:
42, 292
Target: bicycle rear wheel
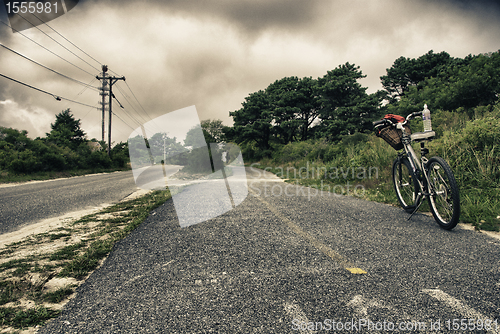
444, 198
405, 184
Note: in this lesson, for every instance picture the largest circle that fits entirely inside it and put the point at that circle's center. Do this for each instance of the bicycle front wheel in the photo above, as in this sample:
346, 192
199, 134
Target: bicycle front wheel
444, 198
405, 184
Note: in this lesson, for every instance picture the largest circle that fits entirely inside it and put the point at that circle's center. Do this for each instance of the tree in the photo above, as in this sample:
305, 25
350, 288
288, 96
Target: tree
461, 85
309, 105
345, 106
195, 137
407, 72
282, 113
283, 96
214, 131
253, 122
66, 131
294, 107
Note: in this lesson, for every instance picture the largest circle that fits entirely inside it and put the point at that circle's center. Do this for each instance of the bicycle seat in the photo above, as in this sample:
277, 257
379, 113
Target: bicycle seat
419, 136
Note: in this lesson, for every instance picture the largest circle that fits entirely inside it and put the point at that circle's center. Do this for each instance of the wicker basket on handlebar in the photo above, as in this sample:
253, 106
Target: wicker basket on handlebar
393, 136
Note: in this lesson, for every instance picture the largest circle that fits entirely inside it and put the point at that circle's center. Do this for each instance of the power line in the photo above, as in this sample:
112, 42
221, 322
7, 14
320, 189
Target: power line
139, 114
87, 86
69, 41
55, 40
54, 71
126, 99
46, 48
76, 46
138, 101
130, 115
58, 98
123, 121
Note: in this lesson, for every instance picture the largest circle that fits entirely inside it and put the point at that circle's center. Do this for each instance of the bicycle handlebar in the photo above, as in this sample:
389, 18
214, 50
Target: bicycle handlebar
383, 121
409, 117
414, 115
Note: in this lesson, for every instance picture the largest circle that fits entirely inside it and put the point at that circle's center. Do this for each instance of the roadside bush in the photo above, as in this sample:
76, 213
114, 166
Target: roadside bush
482, 133
98, 159
26, 162
53, 161
253, 153
293, 151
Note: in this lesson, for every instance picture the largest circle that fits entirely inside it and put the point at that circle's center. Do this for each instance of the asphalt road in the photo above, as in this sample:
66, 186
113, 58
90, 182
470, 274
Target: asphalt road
287, 260
32, 202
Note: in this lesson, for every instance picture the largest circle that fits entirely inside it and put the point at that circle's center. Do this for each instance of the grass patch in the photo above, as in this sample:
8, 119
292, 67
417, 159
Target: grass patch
55, 236
67, 252
81, 247
82, 265
20, 318
58, 295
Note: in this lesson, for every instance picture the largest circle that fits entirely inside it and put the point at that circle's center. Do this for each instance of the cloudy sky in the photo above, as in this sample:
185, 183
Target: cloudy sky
213, 53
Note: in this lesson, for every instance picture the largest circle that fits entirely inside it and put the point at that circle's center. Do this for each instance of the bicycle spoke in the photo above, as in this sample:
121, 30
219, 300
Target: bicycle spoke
443, 191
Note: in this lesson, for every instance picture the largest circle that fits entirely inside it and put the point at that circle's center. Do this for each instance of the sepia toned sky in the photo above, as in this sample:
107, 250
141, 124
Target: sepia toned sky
212, 54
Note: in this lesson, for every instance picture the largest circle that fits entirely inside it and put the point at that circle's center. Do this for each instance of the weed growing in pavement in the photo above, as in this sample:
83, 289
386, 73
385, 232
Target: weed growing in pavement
71, 253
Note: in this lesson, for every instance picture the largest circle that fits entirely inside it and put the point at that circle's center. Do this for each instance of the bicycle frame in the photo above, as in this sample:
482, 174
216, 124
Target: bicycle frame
416, 164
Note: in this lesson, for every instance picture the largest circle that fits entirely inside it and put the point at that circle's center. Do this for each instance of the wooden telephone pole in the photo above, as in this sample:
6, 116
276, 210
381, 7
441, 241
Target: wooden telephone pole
107, 80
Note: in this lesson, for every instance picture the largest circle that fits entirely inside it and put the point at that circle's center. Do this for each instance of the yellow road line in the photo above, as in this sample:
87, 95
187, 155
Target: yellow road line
344, 263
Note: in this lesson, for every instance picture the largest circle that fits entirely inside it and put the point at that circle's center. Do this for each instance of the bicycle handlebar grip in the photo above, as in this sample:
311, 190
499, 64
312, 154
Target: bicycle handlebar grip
378, 122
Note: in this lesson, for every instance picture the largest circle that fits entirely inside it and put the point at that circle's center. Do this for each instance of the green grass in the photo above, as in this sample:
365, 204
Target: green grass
67, 252
58, 295
21, 318
76, 260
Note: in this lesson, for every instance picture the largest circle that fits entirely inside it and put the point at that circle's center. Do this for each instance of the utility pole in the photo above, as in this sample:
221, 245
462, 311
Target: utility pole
103, 92
111, 81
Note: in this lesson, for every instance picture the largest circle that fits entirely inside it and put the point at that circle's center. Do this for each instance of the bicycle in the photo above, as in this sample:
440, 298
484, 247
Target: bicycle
415, 178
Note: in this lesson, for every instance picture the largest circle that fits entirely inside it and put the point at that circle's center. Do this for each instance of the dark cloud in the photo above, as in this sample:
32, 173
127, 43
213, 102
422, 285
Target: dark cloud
251, 15
259, 15
490, 6
471, 3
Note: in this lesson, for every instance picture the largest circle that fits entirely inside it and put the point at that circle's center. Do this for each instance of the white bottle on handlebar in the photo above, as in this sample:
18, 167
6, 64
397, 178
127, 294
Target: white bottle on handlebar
426, 116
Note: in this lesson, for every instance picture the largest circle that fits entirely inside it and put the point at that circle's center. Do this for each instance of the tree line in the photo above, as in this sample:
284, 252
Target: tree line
289, 110
296, 109
65, 147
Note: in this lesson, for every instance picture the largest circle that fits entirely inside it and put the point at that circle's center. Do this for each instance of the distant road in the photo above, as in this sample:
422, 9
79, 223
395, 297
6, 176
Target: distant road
31, 202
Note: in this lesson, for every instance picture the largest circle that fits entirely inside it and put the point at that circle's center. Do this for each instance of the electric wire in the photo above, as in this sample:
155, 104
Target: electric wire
69, 41
87, 86
76, 46
128, 101
54, 71
93, 107
138, 101
144, 120
55, 54
57, 97
43, 32
123, 121
128, 113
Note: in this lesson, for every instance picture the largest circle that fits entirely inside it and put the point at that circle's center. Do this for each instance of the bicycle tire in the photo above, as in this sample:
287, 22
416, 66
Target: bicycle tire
405, 184
444, 198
